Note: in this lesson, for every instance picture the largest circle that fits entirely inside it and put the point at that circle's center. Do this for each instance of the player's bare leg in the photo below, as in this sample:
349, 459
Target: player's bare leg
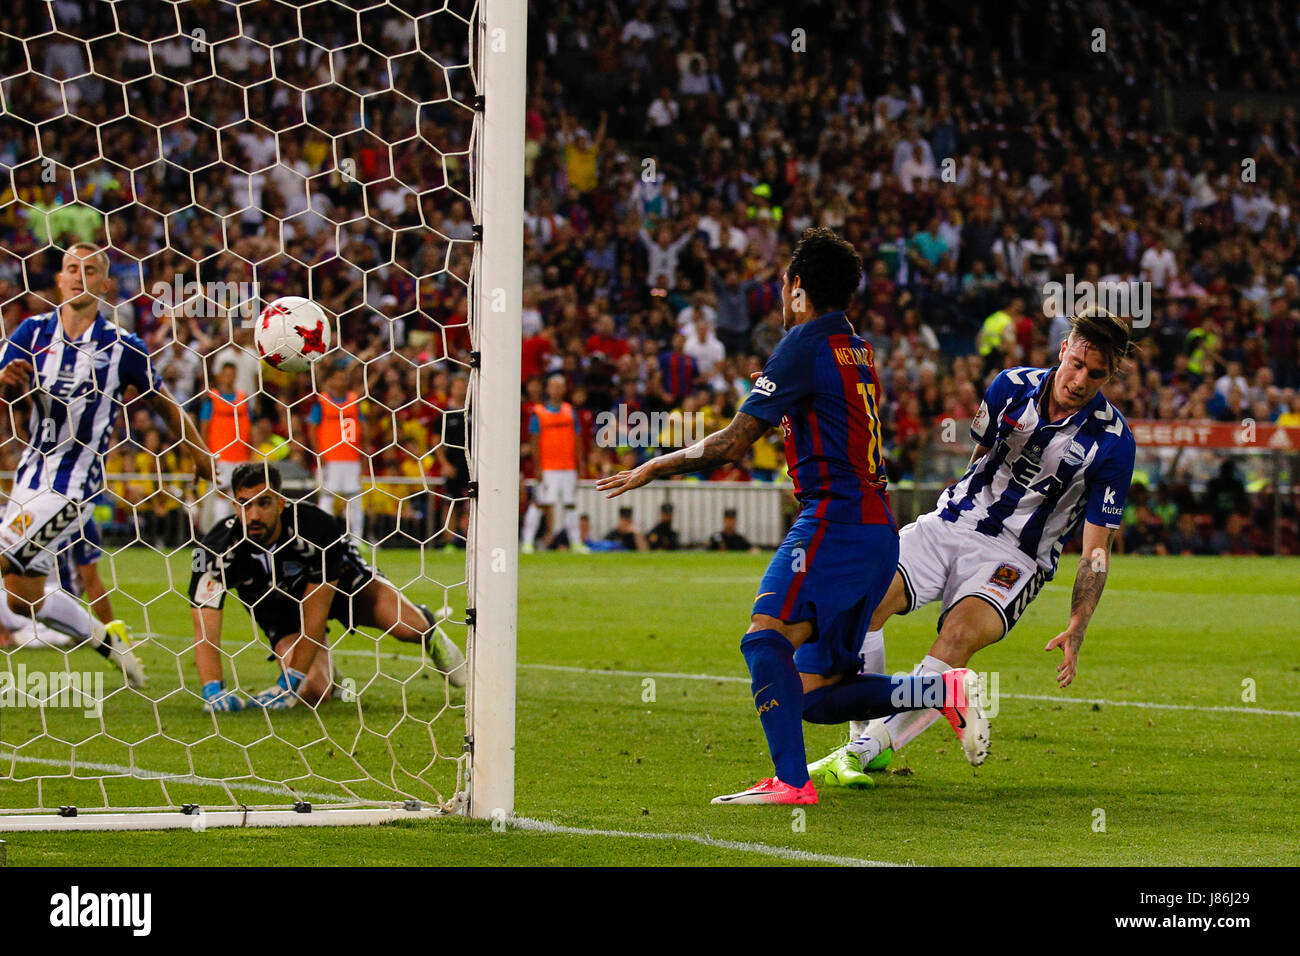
60, 611
96, 595
894, 602
380, 605
971, 624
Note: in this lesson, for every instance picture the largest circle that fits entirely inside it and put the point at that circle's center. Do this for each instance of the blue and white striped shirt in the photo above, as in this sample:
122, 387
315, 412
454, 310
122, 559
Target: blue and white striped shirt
1039, 480
76, 399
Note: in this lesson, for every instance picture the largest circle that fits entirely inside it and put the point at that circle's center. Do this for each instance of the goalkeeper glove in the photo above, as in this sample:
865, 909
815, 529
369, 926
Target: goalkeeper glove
218, 700
283, 695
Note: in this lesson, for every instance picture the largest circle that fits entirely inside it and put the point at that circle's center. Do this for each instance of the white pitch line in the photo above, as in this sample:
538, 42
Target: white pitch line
785, 853
1205, 708
1208, 708
142, 774
728, 679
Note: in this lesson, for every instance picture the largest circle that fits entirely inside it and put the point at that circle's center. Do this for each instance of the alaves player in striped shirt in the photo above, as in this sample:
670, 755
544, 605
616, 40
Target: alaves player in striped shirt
1050, 452
836, 563
76, 370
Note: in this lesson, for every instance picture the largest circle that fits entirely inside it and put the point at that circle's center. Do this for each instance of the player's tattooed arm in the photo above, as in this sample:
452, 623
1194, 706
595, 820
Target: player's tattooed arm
183, 427
727, 445
1089, 581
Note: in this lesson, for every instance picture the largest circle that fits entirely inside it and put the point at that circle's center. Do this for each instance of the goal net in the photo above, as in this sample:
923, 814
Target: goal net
223, 155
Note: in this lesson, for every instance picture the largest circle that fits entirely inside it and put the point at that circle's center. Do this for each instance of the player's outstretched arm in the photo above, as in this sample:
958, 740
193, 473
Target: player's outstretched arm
302, 650
1089, 580
207, 660
721, 447
14, 377
182, 426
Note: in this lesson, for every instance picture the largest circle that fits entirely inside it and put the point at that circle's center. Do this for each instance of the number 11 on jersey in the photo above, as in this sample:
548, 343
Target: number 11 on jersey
868, 393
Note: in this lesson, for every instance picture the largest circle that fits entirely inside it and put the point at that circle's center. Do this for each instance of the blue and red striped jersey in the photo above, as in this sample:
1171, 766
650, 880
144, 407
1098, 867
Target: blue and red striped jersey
820, 385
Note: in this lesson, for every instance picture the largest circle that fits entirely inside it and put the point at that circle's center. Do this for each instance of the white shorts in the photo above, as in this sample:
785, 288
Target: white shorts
940, 560
27, 632
558, 488
37, 526
341, 478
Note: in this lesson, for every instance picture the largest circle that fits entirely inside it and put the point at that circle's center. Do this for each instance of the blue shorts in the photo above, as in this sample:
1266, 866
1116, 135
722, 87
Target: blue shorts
833, 575
84, 549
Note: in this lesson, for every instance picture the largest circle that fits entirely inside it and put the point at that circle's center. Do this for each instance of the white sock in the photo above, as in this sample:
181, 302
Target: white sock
571, 528
532, 521
897, 730
62, 612
873, 662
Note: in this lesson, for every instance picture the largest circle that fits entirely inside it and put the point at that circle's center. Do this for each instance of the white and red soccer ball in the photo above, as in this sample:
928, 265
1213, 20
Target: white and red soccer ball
292, 333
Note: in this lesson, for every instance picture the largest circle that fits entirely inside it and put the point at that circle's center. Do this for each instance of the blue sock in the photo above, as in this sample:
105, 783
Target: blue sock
778, 697
867, 696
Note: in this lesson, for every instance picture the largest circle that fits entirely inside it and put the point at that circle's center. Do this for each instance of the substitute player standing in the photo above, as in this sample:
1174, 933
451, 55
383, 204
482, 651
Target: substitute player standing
295, 571
334, 430
557, 443
816, 598
77, 369
229, 429
1050, 452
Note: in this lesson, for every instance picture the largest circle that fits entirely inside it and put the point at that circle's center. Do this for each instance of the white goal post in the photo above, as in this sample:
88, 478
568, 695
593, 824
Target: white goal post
494, 538
111, 755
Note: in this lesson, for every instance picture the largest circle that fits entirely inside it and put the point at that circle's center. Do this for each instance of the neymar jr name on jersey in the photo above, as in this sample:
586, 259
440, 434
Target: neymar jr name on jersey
853, 355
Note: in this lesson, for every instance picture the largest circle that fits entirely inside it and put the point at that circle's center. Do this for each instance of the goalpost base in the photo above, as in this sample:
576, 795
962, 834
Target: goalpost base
208, 819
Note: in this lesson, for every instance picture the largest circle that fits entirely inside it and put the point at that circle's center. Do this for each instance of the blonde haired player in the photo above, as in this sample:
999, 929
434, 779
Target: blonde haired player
1051, 452
75, 370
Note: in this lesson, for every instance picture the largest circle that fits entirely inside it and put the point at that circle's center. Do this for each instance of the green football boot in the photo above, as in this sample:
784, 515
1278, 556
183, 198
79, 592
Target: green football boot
841, 768
881, 760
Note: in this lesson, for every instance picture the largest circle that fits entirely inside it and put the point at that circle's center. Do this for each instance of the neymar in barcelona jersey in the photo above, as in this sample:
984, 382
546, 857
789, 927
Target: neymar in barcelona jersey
814, 603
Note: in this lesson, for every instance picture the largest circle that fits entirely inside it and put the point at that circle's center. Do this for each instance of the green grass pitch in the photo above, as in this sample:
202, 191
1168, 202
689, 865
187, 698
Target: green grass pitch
633, 711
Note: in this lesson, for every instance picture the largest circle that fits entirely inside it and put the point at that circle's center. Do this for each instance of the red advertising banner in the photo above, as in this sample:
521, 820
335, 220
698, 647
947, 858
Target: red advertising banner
1221, 435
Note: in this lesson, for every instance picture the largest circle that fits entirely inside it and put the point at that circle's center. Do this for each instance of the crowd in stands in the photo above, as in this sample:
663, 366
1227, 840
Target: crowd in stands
675, 151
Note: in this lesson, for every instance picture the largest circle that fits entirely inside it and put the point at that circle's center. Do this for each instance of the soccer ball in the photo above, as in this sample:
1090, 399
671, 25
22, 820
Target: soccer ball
292, 333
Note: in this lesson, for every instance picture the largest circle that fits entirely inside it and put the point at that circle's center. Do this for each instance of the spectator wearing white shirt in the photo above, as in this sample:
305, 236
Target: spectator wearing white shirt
916, 167
662, 253
663, 111
1159, 265
709, 353
1232, 379
905, 152
289, 176
694, 81
1040, 256
545, 224
699, 309
638, 26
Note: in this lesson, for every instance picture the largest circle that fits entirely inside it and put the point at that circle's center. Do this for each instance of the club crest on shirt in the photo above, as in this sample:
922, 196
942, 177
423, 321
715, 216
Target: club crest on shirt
1006, 576
22, 521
